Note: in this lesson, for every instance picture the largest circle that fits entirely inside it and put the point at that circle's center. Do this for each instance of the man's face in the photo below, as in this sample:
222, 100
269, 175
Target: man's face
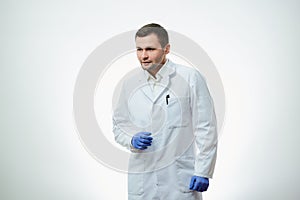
150, 53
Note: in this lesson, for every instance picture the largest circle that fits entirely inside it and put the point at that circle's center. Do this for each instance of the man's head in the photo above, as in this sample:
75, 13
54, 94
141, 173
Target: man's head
152, 44
156, 29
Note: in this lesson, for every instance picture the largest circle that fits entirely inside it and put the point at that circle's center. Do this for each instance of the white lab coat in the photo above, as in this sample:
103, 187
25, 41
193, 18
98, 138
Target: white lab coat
164, 170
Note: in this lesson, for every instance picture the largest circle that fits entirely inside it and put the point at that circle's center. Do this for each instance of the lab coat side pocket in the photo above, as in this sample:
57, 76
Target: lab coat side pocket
136, 174
135, 183
185, 170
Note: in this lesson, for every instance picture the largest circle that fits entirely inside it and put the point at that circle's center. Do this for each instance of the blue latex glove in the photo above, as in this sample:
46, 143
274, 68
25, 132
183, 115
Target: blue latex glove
199, 183
141, 140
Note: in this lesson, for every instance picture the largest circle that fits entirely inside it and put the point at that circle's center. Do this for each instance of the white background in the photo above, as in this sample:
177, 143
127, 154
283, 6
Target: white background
254, 45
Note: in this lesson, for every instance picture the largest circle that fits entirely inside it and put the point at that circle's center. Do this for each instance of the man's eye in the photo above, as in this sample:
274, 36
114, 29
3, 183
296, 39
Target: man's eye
139, 49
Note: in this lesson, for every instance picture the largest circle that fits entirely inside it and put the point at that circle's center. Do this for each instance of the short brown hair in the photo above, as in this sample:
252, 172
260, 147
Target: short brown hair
157, 29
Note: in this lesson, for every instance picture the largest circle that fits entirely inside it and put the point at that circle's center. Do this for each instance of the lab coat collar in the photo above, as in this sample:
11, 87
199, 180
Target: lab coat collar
161, 73
168, 71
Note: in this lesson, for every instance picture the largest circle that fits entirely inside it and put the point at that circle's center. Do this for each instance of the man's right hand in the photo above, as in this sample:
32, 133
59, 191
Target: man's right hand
141, 140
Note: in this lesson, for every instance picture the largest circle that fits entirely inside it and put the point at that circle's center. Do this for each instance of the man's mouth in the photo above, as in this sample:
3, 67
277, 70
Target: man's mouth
147, 63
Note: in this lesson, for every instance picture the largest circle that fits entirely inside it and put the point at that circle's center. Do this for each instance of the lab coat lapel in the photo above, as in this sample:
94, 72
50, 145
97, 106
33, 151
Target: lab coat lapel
145, 87
165, 81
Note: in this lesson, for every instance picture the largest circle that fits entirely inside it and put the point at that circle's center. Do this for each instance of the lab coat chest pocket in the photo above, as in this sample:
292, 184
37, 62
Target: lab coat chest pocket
178, 111
185, 170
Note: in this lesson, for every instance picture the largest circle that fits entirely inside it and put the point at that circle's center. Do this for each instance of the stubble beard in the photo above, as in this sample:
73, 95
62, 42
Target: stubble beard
155, 67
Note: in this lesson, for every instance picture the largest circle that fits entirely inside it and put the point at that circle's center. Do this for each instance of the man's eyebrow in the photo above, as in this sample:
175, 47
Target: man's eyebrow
146, 48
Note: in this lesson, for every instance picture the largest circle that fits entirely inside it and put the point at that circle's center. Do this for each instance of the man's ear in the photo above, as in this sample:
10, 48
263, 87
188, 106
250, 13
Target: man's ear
167, 49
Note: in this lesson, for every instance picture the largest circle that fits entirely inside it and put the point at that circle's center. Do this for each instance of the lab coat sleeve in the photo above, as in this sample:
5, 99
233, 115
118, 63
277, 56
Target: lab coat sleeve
123, 128
204, 126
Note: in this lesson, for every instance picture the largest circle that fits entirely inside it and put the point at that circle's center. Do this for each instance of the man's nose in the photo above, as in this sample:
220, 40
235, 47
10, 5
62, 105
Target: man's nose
144, 54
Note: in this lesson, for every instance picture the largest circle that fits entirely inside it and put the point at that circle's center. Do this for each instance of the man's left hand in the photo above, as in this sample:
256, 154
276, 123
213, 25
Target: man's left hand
199, 183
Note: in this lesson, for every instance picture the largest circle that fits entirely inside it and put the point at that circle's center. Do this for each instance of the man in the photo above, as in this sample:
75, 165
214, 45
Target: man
164, 109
